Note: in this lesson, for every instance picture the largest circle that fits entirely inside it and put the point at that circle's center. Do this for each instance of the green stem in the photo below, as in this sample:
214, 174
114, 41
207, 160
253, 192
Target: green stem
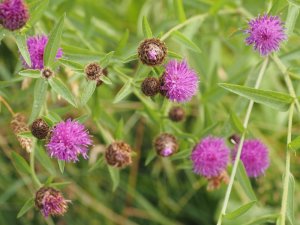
33, 174
239, 151
287, 79
287, 169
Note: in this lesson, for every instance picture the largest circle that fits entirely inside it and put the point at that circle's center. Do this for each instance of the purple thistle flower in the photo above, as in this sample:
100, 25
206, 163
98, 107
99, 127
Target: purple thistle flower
254, 156
13, 14
210, 157
68, 140
36, 46
179, 81
265, 34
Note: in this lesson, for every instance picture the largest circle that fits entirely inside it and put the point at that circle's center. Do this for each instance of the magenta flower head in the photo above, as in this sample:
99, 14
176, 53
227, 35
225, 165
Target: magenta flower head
179, 82
36, 46
254, 156
51, 202
265, 34
210, 157
13, 14
68, 140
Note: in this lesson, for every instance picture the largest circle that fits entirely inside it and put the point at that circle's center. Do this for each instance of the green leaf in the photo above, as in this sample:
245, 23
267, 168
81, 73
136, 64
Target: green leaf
88, 90
53, 43
20, 163
36, 11
44, 159
40, 92
290, 211
179, 10
60, 88
291, 19
27, 206
275, 100
115, 176
26, 134
105, 80
104, 62
3, 33
119, 130
71, 64
83, 118
240, 211
236, 122
124, 91
294, 144
61, 165
263, 219
244, 181
22, 46
122, 43
146, 28
185, 41
174, 55
30, 73
151, 155
59, 184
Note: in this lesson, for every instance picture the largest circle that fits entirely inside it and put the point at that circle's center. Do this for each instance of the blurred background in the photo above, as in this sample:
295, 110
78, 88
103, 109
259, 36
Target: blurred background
153, 190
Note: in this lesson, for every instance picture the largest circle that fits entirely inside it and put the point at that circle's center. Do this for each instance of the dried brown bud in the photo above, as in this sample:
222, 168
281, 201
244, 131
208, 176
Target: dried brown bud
161, 84
166, 145
18, 125
47, 73
234, 139
215, 182
93, 71
150, 86
50, 201
176, 114
39, 129
118, 154
152, 52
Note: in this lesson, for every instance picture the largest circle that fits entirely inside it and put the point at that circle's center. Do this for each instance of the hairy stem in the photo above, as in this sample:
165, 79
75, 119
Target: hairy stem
239, 151
287, 168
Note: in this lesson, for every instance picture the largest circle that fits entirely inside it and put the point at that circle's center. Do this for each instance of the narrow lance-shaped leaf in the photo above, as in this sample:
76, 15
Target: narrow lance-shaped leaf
275, 100
30, 73
115, 176
27, 206
179, 10
236, 122
36, 10
60, 88
71, 64
53, 43
244, 181
122, 43
263, 219
291, 19
88, 90
146, 28
40, 92
290, 211
44, 159
22, 46
61, 165
185, 41
124, 91
294, 144
20, 163
104, 62
240, 211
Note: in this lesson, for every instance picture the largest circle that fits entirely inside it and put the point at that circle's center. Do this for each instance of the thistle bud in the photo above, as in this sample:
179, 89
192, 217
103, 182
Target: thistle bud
161, 85
150, 86
47, 73
18, 125
214, 183
118, 154
234, 139
93, 71
166, 145
39, 129
152, 52
176, 114
51, 202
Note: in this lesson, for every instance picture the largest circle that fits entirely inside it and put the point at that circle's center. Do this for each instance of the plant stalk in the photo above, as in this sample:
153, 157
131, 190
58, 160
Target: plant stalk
33, 174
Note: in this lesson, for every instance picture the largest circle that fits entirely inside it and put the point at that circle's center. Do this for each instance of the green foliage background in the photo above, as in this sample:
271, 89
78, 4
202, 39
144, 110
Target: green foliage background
153, 190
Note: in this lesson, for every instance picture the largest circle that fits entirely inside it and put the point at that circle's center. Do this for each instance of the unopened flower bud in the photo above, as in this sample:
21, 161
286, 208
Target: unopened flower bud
39, 129
47, 73
118, 154
214, 183
93, 71
176, 114
150, 86
51, 202
234, 139
166, 145
152, 52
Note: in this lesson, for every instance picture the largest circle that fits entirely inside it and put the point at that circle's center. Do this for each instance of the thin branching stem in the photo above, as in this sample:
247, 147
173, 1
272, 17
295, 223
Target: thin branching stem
33, 174
7, 105
239, 151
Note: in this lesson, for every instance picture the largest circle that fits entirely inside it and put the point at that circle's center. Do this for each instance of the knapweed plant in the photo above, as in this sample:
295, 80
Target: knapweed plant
174, 112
